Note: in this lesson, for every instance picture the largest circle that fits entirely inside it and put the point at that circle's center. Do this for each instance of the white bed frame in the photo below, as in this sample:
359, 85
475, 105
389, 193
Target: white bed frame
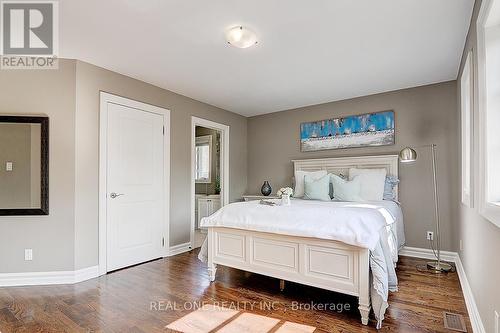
326, 264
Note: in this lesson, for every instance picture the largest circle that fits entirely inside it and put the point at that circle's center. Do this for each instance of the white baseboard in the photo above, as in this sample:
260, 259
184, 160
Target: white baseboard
46, 278
178, 249
427, 253
475, 318
85, 274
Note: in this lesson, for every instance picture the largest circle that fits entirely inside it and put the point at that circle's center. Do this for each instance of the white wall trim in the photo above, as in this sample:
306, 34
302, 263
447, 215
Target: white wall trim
417, 252
106, 98
85, 274
488, 210
47, 278
178, 249
224, 181
467, 130
475, 318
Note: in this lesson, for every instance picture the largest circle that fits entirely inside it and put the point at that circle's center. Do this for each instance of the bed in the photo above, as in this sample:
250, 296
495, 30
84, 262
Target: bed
310, 253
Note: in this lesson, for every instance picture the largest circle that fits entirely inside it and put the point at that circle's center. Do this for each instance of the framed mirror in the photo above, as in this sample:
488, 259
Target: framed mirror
203, 159
24, 165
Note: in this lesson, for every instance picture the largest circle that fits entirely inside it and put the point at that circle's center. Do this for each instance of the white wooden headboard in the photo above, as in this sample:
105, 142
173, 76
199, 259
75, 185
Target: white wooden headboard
341, 165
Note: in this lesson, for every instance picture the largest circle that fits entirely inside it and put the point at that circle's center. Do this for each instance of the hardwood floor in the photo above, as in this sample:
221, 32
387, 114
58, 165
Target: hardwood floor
148, 297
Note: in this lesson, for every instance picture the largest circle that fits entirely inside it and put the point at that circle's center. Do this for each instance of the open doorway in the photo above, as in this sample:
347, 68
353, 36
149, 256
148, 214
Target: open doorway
210, 173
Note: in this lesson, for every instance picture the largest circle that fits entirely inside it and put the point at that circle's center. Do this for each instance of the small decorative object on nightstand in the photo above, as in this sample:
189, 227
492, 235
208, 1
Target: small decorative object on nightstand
285, 193
253, 197
217, 185
266, 189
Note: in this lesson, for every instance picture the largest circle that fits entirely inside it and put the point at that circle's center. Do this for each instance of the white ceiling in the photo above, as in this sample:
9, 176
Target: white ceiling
309, 52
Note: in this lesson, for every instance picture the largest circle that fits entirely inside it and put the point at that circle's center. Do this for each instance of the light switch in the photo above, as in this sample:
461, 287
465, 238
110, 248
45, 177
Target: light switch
8, 166
28, 254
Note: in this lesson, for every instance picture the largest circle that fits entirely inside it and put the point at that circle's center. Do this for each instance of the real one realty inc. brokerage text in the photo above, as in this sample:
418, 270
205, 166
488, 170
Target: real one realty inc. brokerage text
248, 306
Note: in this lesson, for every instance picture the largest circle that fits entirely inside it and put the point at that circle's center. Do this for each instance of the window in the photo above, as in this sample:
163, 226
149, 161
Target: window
466, 93
488, 27
203, 159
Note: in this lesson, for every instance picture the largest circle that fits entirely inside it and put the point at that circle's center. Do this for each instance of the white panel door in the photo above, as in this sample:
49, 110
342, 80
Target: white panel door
135, 192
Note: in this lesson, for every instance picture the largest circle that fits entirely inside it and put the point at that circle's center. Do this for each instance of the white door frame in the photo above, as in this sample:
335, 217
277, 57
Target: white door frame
106, 98
224, 171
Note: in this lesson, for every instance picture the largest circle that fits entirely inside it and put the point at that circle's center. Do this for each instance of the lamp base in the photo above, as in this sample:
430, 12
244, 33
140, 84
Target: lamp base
439, 267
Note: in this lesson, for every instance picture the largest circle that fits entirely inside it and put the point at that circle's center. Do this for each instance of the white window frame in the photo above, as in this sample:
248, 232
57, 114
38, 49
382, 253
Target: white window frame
203, 140
467, 107
489, 210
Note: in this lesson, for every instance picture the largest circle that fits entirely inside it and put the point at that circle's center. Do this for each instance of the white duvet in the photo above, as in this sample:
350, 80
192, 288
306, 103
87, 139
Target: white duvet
376, 226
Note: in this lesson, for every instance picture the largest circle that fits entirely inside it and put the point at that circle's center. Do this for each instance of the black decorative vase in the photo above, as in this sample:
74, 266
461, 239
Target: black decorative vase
266, 188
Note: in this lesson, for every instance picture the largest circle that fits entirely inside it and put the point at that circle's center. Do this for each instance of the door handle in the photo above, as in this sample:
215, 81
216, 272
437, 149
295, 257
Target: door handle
115, 195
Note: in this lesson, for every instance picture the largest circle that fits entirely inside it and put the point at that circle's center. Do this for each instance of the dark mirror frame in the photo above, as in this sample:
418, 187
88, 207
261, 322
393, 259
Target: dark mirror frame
44, 166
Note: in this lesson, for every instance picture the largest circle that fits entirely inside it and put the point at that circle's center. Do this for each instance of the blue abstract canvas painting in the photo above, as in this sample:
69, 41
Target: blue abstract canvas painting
371, 129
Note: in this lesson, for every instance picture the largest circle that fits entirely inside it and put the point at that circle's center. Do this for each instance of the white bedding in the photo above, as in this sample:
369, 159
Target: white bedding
376, 226
396, 231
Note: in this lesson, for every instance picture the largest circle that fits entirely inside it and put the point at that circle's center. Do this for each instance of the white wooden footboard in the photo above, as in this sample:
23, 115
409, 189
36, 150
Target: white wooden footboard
314, 262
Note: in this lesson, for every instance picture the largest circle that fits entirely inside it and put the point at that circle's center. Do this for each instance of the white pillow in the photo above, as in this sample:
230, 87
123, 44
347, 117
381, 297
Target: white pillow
344, 190
317, 189
299, 180
372, 182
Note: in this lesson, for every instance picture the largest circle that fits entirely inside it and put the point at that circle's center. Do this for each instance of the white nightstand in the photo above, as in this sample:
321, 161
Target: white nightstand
250, 197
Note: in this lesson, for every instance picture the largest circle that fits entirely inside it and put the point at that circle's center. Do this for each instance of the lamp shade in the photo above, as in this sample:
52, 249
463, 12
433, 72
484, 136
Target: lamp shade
407, 155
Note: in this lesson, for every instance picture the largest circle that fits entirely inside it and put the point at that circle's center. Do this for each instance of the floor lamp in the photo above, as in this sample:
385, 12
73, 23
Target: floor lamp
409, 155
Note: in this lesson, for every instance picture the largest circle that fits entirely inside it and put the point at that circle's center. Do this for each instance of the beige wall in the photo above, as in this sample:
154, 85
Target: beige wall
15, 185
67, 239
481, 239
91, 80
423, 115
49, 93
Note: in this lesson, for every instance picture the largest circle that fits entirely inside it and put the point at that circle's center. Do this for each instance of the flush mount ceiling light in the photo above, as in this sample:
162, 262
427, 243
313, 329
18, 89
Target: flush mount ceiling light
241, 37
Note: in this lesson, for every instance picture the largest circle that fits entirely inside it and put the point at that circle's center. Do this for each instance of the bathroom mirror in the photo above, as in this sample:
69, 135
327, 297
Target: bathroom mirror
203, 159
24, 165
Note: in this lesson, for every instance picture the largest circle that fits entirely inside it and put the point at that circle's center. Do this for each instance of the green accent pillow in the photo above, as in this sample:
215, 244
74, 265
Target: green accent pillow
317, 188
